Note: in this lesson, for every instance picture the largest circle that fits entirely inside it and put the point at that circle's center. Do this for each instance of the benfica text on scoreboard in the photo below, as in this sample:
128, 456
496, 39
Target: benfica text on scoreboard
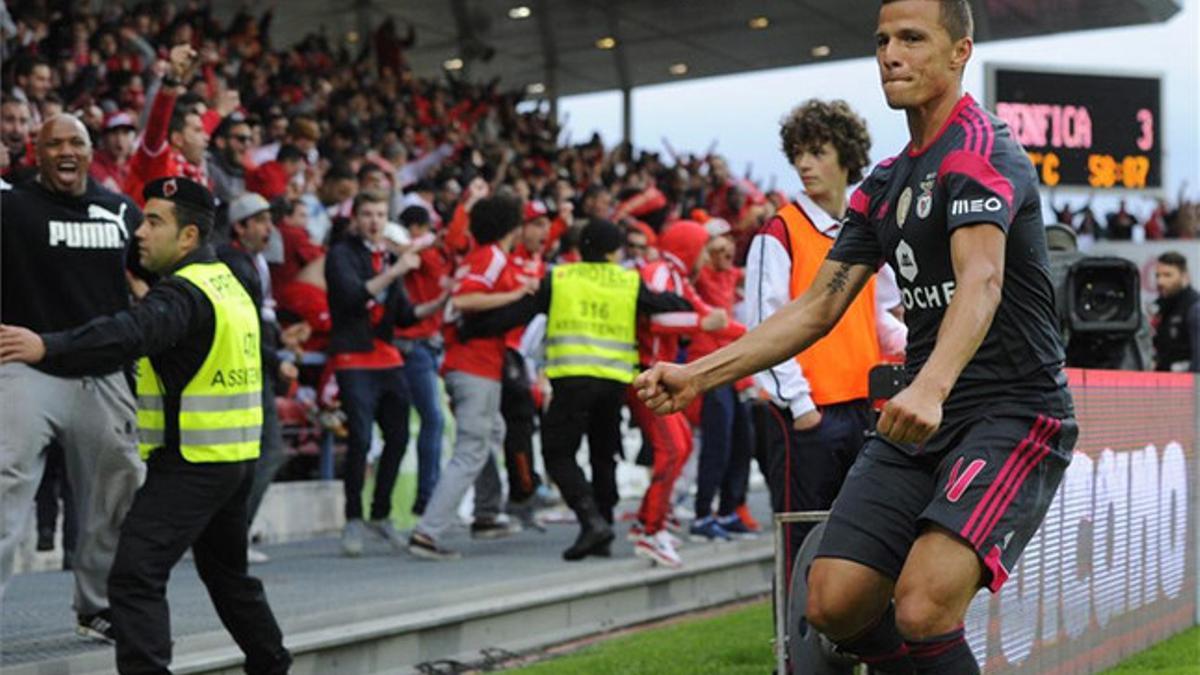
1083, 130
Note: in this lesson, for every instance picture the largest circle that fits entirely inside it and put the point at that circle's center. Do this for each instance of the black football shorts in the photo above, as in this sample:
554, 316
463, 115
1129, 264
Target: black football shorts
992, 488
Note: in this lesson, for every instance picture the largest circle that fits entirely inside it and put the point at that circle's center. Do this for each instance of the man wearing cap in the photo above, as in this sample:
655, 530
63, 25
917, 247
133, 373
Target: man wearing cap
110, 167
199, 419
64, 244
367, 301
592, 309
250, 216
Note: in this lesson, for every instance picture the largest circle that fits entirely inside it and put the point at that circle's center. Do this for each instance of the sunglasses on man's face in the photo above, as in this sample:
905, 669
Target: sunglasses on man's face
240, 138
635, 246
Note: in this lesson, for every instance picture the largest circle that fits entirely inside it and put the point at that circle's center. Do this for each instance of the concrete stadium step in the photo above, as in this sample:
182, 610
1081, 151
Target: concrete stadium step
385, 613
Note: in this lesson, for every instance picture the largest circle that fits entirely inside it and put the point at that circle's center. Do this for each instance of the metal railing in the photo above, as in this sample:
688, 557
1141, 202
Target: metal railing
781, 562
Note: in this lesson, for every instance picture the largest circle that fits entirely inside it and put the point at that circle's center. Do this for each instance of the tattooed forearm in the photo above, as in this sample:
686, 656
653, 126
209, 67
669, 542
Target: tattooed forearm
840, 278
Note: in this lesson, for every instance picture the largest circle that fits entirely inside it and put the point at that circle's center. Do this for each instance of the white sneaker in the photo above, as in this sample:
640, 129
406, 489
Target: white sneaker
657, 549
637, 531
256, 557
352, 537
676, 542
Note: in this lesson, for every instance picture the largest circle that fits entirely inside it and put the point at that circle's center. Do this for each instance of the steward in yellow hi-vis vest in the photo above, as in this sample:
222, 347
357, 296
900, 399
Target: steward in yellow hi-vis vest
200, 417
592, 324
591, 357
220, 413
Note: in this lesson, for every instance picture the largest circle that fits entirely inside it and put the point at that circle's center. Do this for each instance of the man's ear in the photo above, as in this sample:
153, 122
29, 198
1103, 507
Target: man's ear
189, 234
963, 49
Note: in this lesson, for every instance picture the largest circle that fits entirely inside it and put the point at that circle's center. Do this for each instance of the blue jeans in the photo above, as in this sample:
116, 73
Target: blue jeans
727, 444
421, 373
369, 396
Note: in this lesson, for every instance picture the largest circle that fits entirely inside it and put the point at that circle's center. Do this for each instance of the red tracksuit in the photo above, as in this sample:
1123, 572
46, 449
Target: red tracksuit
669, 435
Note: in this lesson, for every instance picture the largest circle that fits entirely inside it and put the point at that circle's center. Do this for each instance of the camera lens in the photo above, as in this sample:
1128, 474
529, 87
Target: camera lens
1104, 293
1101, 301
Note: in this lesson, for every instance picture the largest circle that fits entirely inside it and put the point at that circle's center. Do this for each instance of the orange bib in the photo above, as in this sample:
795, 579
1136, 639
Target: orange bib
836, 366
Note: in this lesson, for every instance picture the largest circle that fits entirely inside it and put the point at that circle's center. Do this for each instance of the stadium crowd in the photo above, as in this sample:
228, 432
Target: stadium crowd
298, 145
336, 171
315, 238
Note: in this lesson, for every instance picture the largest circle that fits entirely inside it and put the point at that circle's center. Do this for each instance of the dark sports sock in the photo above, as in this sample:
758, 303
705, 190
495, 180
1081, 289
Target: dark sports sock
947, 654
881, 646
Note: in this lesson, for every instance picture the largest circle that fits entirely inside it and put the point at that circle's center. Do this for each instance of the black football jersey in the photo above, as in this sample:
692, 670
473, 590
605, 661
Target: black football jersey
904, 214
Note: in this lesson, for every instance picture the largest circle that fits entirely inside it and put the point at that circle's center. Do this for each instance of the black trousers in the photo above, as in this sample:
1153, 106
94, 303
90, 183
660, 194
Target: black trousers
202, 506
584, 405
518, 409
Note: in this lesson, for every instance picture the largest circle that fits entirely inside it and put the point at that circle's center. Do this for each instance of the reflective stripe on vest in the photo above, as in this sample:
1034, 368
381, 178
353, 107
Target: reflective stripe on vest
592, 324
836, 366
220, 409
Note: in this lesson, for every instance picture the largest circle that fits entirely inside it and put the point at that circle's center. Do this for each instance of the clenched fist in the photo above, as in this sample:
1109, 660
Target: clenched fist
667, 388
912, 416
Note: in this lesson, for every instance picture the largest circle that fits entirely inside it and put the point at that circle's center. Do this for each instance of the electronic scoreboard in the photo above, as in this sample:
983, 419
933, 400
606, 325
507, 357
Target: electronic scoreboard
1083, 130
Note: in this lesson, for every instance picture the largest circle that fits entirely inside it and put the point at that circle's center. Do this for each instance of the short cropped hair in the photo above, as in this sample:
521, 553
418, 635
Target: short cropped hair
203, 219
955, 17
493, 218
290, 153
27, 62
815, 123
1174, 259
367, 197
179, 117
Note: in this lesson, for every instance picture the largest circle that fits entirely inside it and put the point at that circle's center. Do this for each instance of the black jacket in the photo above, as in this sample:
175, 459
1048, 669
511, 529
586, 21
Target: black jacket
347, 271
1177, 335
173, 325
502, 319
241, 263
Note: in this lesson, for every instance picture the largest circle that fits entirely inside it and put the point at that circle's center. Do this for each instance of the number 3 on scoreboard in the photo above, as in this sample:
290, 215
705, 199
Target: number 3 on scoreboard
1146, 119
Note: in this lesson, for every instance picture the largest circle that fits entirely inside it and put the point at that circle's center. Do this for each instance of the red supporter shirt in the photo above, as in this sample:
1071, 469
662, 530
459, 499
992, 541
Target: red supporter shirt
485, 270
525, 265
268, 180
154, 157
658, 336
108, 172
558, 227
425, 284
458, 234
310, 303
718, 288
383, 354
298, 251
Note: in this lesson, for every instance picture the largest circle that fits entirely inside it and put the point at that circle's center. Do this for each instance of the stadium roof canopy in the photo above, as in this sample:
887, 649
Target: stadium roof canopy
562, 47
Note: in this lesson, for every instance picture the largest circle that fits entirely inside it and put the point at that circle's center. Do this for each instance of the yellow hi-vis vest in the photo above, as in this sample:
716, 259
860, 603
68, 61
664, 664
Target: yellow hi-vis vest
591, 330
220, 409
